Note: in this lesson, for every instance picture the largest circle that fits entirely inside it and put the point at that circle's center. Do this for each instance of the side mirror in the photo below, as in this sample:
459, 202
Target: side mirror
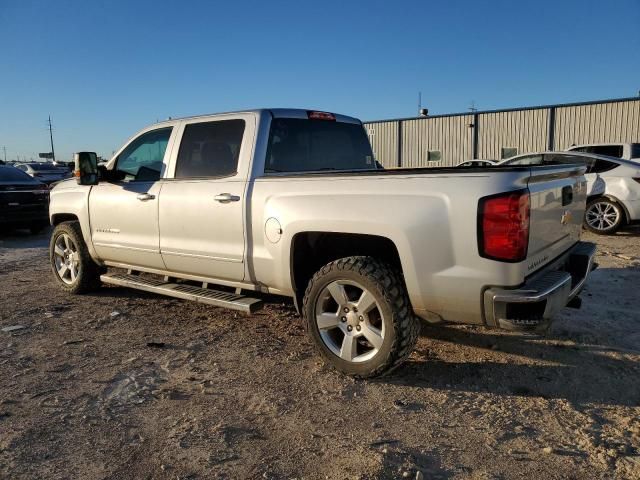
86, 168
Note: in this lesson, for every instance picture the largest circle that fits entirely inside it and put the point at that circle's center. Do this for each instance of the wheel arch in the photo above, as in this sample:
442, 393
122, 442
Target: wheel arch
310, 250
58, 218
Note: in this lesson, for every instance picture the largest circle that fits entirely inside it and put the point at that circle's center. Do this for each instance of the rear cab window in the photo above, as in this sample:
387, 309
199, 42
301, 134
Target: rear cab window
307, 145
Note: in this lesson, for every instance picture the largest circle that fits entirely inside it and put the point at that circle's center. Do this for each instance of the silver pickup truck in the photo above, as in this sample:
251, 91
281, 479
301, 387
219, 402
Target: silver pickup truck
291, 202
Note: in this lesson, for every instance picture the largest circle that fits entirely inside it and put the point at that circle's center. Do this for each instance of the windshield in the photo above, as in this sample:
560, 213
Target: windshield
300, 145
11, 174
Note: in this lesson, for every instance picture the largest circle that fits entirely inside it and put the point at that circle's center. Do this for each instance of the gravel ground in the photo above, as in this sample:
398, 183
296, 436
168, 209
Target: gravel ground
123, 384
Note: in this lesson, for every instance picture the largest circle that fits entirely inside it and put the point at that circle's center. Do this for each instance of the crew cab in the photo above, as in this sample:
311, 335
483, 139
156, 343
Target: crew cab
291, 202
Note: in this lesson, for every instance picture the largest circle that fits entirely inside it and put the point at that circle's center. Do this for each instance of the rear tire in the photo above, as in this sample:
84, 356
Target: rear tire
73, 268
374, 329
603, 216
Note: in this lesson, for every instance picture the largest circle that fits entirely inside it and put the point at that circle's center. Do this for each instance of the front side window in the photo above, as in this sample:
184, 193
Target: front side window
635, 150
210, 149
141, 160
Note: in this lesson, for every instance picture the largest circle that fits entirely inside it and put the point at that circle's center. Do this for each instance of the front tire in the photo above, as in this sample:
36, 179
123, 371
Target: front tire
358, 314
603, 216
73, 268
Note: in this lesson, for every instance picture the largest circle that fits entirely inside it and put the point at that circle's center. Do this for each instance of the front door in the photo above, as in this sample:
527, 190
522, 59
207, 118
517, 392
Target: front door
124, 213
202, 207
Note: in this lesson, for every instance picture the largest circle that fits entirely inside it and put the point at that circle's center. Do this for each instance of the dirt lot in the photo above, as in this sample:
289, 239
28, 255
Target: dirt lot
86, 393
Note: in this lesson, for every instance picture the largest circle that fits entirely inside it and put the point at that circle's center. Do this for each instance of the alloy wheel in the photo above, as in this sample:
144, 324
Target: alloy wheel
350, 321
66, 258
602, 216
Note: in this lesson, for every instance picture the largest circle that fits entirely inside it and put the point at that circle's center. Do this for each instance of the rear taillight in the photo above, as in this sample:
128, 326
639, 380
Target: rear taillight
503, 226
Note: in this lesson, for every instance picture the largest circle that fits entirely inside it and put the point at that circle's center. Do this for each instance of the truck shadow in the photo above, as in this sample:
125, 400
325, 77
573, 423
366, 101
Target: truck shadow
513, 365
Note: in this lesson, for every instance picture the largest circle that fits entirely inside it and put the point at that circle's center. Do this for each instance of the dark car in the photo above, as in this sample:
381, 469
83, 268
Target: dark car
45, 172
24, 201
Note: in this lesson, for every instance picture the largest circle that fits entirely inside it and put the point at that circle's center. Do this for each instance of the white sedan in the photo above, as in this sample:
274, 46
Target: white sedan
613, 187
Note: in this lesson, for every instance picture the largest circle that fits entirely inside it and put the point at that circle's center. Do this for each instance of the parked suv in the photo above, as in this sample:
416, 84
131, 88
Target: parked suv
613, 187
625, 151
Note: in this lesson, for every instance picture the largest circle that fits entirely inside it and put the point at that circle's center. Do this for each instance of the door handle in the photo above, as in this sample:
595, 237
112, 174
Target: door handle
226, 198
143, 197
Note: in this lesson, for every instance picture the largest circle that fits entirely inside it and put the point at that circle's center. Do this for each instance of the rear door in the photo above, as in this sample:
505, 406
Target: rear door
124, 214
202, 208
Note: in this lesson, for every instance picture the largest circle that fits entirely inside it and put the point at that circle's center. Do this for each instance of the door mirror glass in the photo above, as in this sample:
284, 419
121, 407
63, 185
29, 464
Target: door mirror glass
86, 168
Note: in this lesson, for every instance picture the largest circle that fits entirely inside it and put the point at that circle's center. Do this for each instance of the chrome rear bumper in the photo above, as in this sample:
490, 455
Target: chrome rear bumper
531, 306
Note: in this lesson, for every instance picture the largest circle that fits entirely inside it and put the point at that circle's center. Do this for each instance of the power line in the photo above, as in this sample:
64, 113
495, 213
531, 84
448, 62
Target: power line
53, 153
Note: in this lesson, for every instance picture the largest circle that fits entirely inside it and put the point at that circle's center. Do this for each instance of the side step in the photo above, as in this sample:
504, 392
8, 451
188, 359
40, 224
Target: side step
184, 291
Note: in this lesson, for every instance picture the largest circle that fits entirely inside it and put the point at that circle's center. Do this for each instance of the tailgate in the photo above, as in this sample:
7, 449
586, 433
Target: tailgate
558, 197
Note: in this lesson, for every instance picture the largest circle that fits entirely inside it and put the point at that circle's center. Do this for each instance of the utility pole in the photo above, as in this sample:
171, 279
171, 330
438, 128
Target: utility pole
53, 153
473, 108
5, 154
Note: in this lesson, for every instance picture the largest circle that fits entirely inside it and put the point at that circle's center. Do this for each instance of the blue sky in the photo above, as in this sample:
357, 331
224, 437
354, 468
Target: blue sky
103, 70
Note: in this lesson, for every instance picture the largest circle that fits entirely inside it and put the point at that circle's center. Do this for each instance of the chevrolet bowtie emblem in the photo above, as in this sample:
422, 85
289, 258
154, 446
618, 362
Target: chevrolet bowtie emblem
566, 217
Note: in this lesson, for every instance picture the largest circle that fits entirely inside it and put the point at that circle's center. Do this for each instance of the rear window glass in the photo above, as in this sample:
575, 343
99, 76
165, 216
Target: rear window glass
299, 145
210, 149
11, 174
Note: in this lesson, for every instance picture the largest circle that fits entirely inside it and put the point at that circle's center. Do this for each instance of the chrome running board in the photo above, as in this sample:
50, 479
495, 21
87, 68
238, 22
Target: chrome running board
184, 291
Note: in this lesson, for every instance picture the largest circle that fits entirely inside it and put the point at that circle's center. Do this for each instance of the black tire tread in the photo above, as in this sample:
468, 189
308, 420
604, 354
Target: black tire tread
390, 285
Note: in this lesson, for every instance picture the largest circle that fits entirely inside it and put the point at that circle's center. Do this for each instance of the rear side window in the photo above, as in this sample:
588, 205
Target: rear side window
608, 150
300, 145
601, 166
210, 149
142, 159
635, 150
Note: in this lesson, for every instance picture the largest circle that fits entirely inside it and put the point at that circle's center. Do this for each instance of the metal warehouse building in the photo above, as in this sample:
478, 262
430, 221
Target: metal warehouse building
446, 140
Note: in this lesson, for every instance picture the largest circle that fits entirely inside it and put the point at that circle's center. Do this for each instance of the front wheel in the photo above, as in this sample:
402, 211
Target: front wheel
357, 312
73, 267
603, 216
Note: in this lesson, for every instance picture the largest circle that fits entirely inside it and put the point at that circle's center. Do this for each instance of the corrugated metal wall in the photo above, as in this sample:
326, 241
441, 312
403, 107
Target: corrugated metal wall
451, 136
384, 142
526, 130
599, 123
